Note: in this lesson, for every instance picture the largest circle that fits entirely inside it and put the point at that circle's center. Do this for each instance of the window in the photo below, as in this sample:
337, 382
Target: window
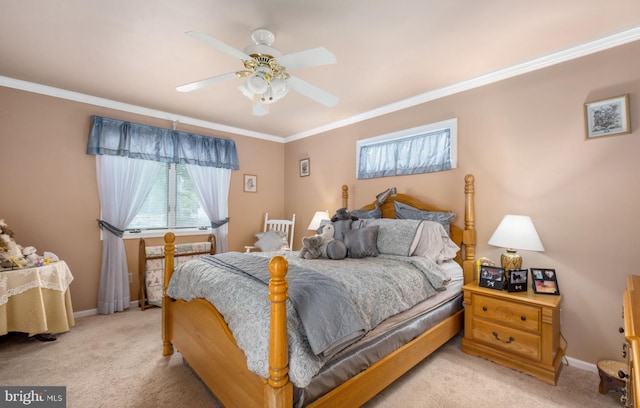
172, 203
422, 149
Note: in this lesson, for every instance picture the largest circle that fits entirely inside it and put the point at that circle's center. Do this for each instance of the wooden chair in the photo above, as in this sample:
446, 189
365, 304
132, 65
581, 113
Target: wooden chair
285, 227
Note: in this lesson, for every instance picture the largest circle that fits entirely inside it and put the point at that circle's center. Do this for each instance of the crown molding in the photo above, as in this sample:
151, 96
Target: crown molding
125, 107
569, 54
591, 47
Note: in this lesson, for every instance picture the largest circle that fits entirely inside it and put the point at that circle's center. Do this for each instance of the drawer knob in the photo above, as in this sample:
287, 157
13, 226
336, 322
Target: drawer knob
523, 318
484, 308
509, 340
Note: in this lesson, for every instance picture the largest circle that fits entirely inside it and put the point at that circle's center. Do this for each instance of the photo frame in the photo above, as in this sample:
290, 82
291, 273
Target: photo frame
491, 277
250, 183
607, 117
517, 280
305, 167
544, 281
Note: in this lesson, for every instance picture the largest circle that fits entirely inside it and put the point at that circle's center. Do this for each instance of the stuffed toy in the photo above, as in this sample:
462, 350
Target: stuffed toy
343, 214
331, 248
31, 257
311, 247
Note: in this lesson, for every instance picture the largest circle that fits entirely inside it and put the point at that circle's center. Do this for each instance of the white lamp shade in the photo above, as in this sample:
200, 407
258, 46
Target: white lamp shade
318, 217
516, 232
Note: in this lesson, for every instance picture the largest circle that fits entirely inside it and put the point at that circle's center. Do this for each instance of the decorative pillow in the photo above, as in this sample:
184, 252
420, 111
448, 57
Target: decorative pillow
407, 212
375, 213
335, 249
435, 243
362, 242
395, 237
271, 241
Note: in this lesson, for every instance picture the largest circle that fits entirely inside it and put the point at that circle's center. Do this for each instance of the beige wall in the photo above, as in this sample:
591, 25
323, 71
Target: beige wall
523, 139
49, 195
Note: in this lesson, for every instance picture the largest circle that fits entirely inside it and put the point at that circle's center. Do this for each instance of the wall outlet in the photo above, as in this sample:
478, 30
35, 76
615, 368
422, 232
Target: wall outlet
130, 277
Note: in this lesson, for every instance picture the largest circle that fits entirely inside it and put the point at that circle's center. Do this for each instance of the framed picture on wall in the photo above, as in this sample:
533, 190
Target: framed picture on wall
250, 183
607, 117
305, 169
544, 281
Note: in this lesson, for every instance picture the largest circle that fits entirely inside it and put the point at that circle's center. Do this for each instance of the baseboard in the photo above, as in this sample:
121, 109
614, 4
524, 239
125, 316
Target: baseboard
91, 312
583, 365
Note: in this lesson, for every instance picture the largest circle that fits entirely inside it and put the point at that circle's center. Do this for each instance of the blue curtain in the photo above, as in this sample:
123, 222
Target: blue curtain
135, 141
424, 153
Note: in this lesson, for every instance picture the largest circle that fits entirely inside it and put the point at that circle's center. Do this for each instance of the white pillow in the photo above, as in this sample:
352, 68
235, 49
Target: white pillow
435, 243
271, 241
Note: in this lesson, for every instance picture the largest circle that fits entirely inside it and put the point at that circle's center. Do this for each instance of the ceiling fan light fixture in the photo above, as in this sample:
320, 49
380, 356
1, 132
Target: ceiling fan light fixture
279, 87
257, 83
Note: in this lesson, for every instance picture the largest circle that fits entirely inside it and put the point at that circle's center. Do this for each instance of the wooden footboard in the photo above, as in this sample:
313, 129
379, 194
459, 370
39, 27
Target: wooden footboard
200, 334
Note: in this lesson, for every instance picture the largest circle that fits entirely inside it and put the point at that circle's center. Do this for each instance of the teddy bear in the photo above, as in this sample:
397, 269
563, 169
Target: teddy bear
343, 214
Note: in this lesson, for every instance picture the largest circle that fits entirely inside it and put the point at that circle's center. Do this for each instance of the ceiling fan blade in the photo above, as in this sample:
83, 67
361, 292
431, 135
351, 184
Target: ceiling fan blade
204, 82
312, 91
308, 58
219, 45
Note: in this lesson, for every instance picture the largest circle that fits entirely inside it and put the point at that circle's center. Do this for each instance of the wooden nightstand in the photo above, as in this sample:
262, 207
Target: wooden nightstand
520, 330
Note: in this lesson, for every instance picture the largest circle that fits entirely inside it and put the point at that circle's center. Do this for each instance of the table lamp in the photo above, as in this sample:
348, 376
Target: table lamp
515, 232
317, 219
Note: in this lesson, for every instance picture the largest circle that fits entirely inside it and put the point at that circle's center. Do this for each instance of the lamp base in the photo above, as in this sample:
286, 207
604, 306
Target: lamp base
510, 260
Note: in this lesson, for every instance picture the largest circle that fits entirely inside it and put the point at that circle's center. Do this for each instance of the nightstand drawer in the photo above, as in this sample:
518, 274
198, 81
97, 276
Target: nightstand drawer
508, 339
517, 315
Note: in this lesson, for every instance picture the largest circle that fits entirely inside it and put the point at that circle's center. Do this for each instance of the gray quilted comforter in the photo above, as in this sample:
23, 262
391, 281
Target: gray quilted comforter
374, 288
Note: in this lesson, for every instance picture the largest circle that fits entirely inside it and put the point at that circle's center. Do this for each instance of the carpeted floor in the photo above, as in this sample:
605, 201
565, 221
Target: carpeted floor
116, 361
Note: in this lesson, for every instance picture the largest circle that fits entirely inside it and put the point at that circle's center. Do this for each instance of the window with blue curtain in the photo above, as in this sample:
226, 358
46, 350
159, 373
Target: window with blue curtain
424, 149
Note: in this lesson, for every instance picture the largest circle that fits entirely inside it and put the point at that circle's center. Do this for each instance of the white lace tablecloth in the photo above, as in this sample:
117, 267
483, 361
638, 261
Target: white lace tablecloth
36, 300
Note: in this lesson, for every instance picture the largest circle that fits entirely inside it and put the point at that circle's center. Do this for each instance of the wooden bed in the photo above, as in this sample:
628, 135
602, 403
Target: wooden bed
201, 335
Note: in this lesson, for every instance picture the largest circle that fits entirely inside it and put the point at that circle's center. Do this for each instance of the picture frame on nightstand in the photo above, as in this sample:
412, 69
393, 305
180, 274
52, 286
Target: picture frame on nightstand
544, 281
491, 277
517, 280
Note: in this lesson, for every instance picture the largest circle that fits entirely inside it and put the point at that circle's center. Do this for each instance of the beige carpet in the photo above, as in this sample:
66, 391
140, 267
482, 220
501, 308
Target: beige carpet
116, 361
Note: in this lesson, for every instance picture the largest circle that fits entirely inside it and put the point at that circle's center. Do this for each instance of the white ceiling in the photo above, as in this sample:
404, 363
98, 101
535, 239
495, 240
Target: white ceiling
391, 54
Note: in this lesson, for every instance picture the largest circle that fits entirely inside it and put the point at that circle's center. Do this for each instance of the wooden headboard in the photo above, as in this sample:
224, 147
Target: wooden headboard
464, 237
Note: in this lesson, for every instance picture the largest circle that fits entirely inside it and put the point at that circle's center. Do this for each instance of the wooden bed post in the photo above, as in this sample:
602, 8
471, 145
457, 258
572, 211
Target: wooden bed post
278, 390
345, 196
167, 335
469, 233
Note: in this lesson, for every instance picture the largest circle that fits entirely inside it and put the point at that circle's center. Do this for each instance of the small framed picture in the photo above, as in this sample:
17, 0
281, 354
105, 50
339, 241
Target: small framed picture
607, 117
305, 169
517, 280
544, 281
491, 277
250, 183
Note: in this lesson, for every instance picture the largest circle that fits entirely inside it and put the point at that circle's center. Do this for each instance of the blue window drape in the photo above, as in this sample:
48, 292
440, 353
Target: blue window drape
414, 151
136, 141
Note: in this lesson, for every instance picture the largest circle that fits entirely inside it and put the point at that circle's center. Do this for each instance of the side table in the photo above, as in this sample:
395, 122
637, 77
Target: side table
36, 300
520, 330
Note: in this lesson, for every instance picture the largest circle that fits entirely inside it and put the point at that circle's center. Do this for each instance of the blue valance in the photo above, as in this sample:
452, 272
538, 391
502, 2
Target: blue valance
118, 138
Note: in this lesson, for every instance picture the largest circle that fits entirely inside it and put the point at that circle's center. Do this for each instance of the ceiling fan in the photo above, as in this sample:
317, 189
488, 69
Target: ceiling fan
265, 70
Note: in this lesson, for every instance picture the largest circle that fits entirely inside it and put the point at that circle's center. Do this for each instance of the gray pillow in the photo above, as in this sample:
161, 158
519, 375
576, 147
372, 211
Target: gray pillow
395, 236
407, 212
271, 241
375, 213
362, 242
